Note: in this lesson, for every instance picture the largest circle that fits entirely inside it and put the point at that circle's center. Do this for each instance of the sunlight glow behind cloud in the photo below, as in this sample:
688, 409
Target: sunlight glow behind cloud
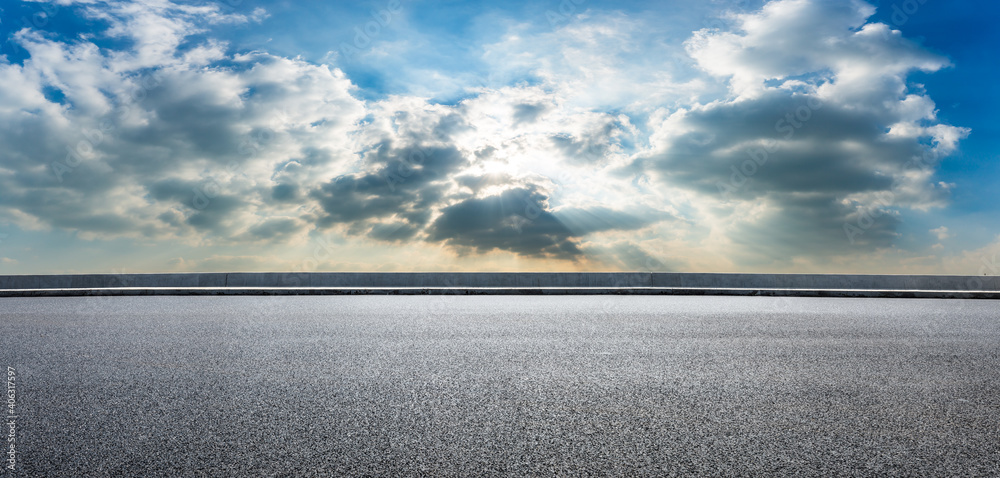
791, 139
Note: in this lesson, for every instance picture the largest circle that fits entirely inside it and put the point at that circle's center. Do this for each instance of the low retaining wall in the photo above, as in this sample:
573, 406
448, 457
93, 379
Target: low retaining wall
515, 282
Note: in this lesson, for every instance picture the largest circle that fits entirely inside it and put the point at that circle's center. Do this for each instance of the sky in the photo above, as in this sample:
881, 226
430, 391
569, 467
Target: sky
828, 136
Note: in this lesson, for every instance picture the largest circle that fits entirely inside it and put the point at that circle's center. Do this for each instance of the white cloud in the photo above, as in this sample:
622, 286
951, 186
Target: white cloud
788, 38
613, 159
255, 150
818, 146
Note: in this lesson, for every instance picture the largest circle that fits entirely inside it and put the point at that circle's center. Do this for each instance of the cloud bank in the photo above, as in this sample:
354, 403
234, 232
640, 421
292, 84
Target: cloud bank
791, 140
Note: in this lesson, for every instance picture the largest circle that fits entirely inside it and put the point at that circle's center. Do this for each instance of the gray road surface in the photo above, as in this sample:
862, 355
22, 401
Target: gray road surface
514, 386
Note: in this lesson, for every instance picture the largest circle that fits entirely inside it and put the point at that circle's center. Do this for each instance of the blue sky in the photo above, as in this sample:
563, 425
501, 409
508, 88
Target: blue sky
763, 136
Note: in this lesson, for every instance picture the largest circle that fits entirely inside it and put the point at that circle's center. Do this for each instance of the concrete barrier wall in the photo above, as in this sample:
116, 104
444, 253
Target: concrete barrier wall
97, 281
428, 279
505, 279
827, 281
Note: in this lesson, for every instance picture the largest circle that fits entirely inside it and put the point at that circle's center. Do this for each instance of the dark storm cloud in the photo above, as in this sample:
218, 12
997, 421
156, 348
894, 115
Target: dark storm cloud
515, 221
406, 182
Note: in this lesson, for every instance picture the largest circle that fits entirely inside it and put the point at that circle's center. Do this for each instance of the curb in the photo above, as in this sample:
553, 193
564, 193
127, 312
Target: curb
284, 291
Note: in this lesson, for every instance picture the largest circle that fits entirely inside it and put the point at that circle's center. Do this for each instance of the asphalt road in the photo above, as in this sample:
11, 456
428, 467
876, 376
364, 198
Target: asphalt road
515, 385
